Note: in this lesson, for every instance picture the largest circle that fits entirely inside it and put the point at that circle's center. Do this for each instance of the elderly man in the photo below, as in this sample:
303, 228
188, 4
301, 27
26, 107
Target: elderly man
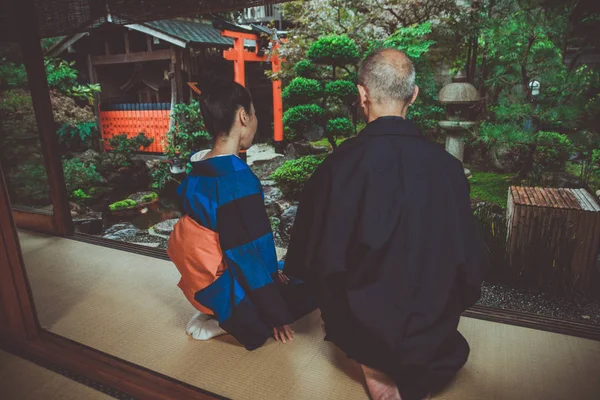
387, 239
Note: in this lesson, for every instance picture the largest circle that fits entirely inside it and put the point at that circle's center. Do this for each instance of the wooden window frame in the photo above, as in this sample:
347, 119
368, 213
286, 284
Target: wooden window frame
20, 330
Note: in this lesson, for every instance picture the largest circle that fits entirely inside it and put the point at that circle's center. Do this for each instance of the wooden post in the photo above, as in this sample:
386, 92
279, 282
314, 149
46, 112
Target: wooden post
148, 43
17, 315
126, 38
38, 86
277, 102
97, 145
175, 76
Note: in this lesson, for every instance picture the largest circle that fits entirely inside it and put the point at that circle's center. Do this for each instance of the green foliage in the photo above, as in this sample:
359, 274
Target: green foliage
302, 91
490, 187
340, 127
305, 69
30, 184
189, 135
79, 175
77, 136
12, 76
522, 42
126, 147
336, 50
148, 198
160, 176
62, 75
79, 196
551, 155
342, 90
14, 102
122, 205
293, 174
411, 40
302, 118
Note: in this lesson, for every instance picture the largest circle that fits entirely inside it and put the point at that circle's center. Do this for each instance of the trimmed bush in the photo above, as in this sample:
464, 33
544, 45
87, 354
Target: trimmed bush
305, 69
340, 127
302, 118
293, 174
122, 205
344, 91
334, 50
302, 91
148, 198
79, 175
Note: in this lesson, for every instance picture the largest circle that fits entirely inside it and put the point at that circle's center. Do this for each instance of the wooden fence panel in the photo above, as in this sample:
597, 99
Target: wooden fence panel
131, 119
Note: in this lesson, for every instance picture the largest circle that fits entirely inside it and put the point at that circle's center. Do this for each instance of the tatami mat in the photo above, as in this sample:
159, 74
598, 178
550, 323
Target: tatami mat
129, 306
23, 380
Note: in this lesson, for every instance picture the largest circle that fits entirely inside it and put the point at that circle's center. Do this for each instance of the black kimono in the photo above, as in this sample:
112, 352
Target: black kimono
386, 236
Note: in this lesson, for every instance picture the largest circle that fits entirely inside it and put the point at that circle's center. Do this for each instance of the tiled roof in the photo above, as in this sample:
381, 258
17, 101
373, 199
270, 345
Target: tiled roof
190, 31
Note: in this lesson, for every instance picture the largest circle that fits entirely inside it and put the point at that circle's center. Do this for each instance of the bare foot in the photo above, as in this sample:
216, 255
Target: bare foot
381, 386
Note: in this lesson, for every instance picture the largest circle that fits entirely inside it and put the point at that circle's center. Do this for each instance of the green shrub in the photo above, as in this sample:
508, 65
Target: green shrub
79, 196
550, 157
122, 205
300, 119
293, 174
305, 69
77, 136
126, 147
334, 50
302, 91
79, 175
342, 90
12, 75
148, 198
340, 127
190, 133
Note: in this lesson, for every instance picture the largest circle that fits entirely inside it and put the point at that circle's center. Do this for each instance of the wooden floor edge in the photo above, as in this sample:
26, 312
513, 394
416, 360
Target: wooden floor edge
129, 378
533, 321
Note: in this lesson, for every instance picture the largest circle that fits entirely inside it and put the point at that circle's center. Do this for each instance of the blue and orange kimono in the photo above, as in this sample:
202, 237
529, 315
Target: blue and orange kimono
223, 247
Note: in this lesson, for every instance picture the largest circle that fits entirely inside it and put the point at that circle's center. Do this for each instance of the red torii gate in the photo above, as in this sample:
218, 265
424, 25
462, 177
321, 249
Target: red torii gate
239, 55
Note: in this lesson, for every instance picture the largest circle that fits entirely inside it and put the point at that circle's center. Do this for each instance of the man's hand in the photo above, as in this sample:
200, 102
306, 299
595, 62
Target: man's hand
283, 334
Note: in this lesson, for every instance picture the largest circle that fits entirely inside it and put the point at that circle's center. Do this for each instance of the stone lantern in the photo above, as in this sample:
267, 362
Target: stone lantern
460, 97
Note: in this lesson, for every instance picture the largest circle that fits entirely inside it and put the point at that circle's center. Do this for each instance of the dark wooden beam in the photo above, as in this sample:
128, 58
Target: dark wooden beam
18, 312
33, 58
126, 38
132, 57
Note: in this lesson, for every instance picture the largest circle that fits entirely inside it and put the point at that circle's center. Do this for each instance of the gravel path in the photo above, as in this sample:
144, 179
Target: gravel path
534, 302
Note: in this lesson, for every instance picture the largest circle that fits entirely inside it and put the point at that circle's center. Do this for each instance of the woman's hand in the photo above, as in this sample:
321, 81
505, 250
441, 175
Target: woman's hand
283, 334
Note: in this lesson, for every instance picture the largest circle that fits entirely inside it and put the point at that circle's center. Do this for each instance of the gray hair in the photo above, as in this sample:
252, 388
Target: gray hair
388, 75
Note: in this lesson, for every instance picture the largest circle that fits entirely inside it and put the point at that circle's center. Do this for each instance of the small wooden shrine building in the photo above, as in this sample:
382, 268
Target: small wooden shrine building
144, 68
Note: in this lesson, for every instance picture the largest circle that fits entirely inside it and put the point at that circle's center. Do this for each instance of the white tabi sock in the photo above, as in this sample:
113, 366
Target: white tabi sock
204, 327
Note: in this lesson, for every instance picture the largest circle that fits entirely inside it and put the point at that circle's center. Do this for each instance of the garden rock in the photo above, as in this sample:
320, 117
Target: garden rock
287, 222
273, 192
504, 158
123, 232
88, 156
90, 222
261, 153
315, 133
165, 227
268, 183
139, 196
271, 206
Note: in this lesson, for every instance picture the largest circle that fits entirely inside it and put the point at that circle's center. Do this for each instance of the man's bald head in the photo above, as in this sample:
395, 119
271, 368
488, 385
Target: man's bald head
388, 75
